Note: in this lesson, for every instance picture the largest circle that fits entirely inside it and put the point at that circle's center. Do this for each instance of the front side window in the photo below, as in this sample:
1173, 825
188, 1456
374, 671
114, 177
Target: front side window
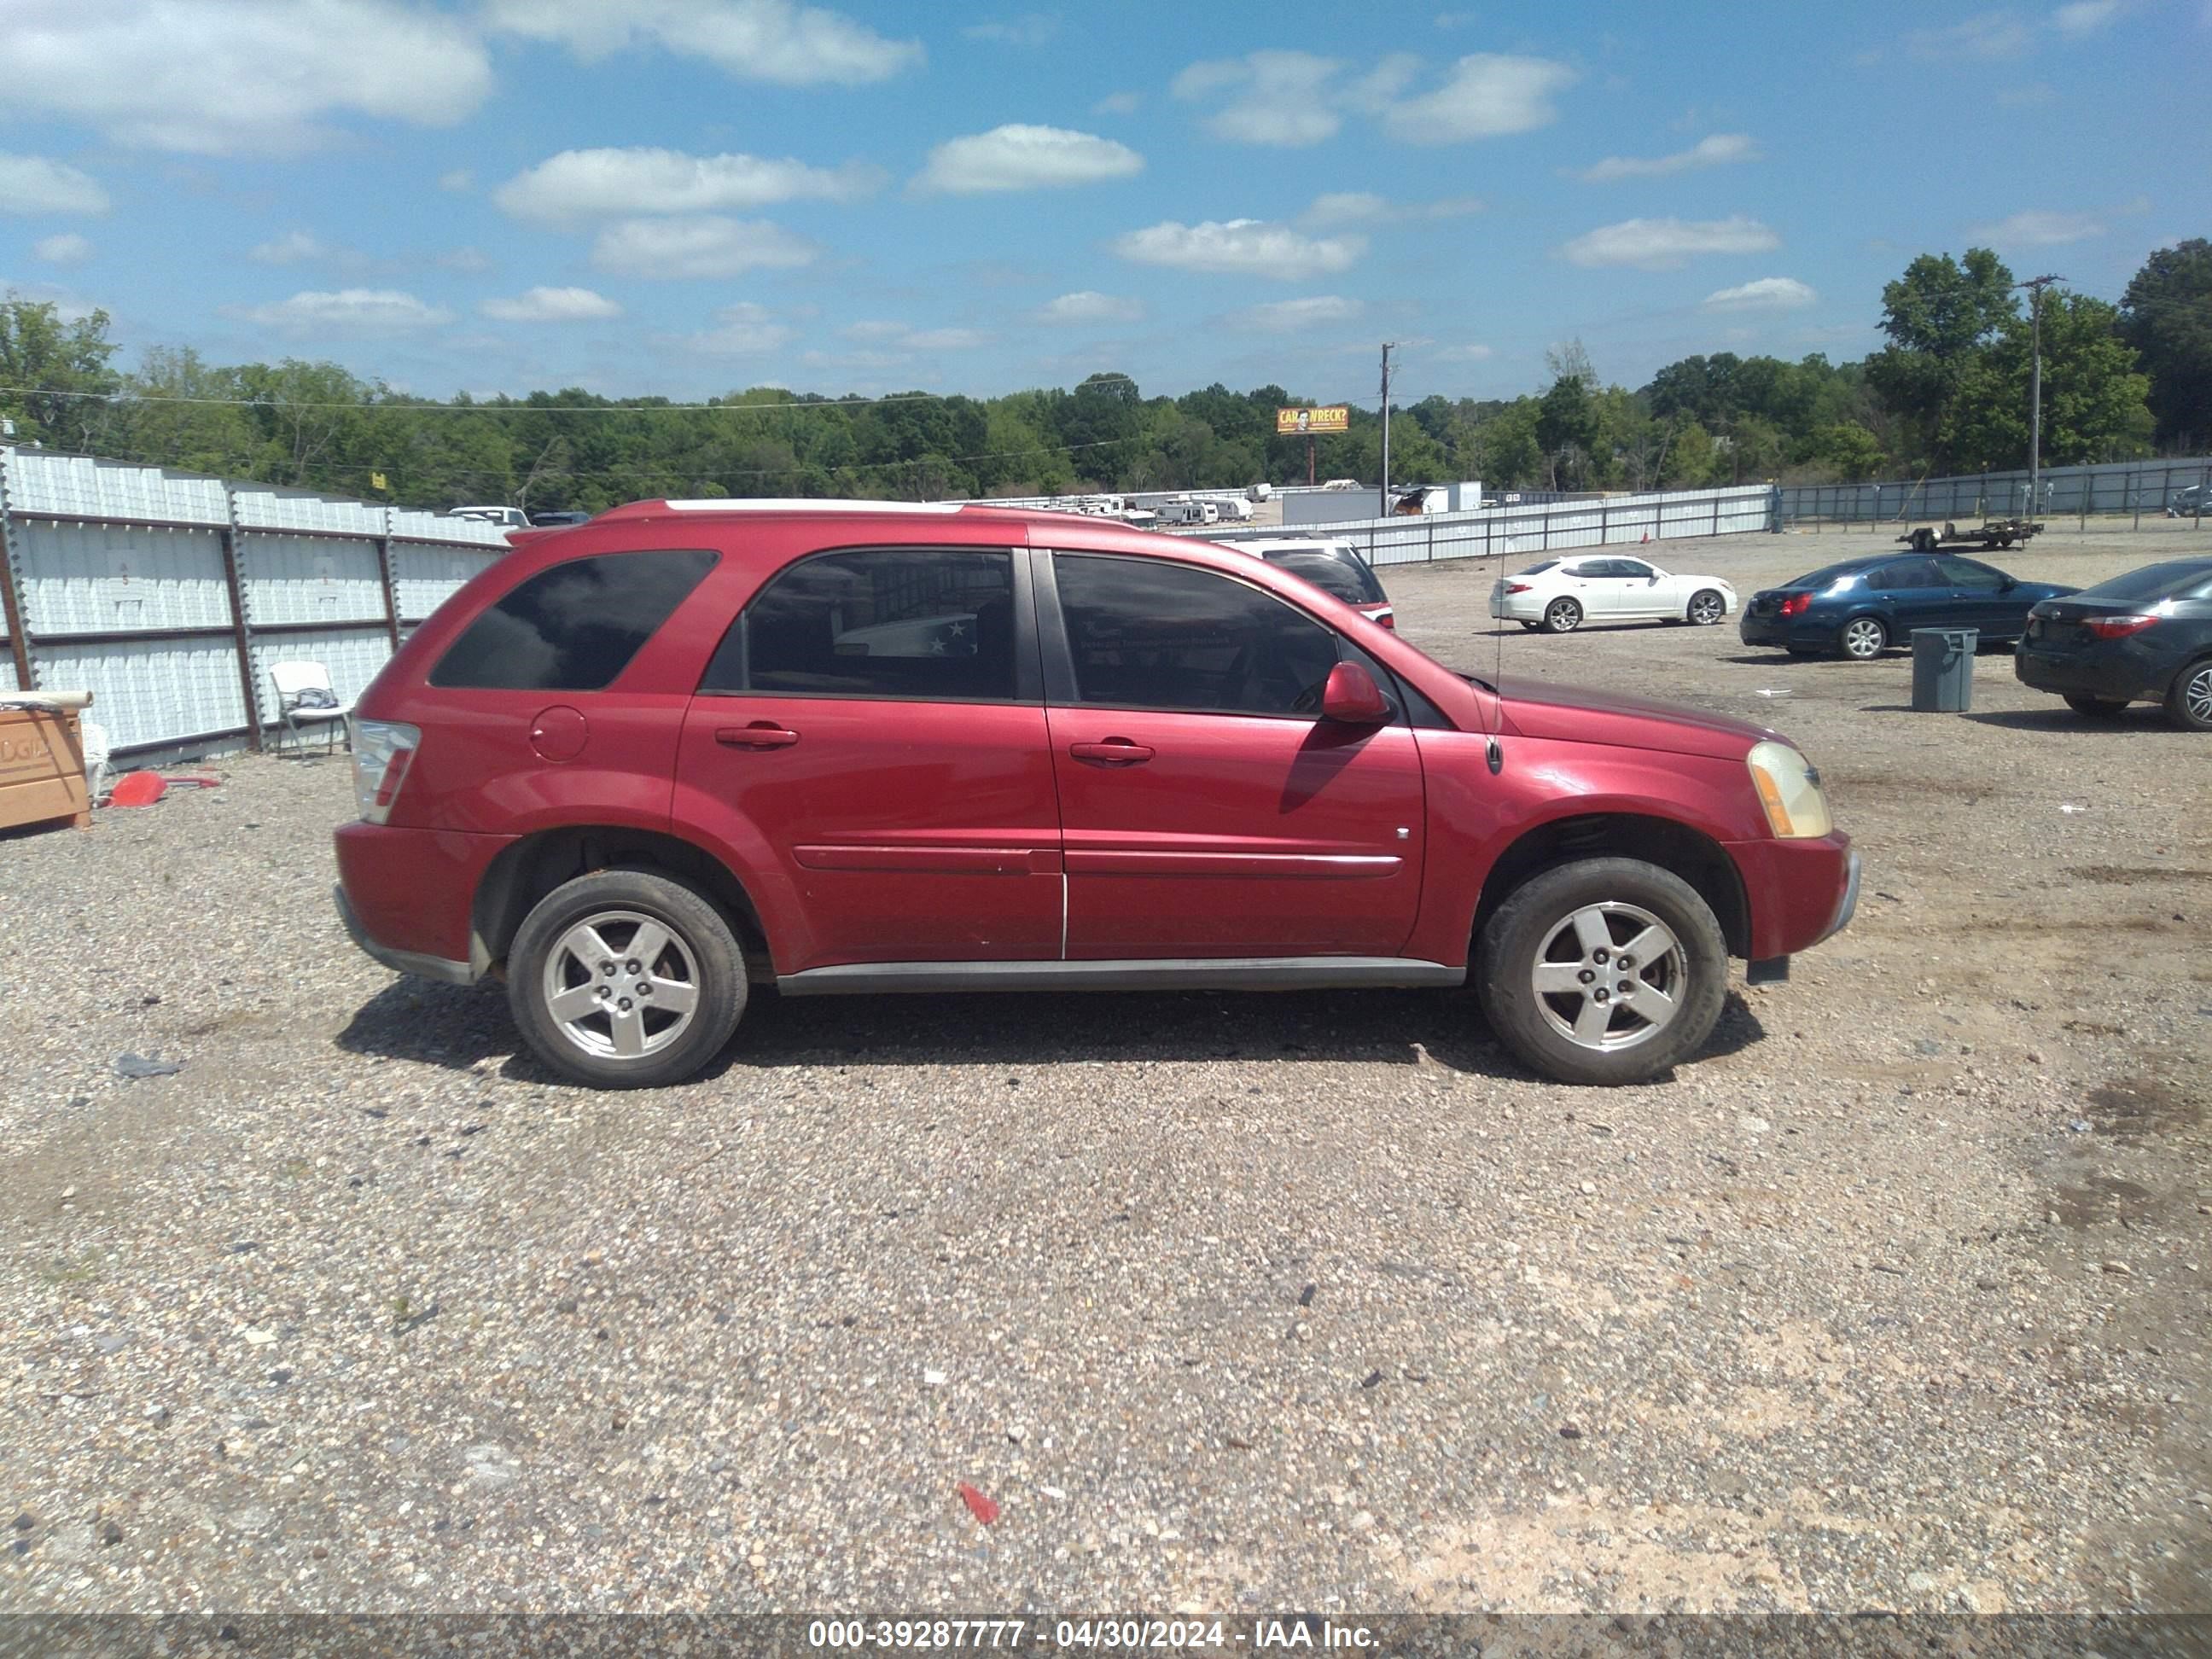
931, 623
573, 626
1145, 634
1905, 575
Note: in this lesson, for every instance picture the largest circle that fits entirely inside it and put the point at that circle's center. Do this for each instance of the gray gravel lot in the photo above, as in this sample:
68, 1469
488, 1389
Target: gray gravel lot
1895, 1298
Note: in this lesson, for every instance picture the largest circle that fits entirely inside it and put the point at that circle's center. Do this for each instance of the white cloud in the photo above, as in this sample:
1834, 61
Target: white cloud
292, 248
1119, 103
552, 305
945, 339
1662, 244
32, 183
1486, 95
773, 40
1987, 36
349, 311
67, 249
1240, 246
866, 330
1364, 208
740, 330
2085, 16
2036, 227
458, 180
581, 183
1718, 150
704, 246
1019, 157
1090, 306
1032, 29
1277, 98
222, 79
1767, 294
1467, 354
1288, 316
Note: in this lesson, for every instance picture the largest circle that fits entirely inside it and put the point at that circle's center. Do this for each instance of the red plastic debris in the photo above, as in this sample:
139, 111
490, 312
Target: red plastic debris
978, 1505
137, 789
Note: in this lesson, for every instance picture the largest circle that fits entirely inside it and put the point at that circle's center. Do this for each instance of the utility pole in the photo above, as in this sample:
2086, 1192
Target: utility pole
2035, 285
1385, 512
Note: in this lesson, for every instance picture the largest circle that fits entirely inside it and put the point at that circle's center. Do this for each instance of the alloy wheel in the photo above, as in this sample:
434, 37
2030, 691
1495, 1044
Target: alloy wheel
1706, 609
1863, 638
1610, 977
621, 985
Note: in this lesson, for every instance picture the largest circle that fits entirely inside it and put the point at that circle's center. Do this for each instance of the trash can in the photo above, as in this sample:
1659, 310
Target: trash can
1943, 670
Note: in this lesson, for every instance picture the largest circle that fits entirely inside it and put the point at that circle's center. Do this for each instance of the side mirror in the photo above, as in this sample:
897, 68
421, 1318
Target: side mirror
1352, 697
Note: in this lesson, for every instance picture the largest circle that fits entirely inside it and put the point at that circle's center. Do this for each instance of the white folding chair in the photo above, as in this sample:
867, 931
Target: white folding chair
306, 698
94, 737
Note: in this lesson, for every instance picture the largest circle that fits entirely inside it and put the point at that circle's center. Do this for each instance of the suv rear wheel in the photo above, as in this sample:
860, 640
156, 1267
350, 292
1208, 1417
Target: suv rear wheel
1603, 971
626, 980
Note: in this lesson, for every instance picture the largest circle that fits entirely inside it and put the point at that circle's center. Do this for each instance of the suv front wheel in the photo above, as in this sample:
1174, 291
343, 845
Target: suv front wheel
626, 980
1605, 971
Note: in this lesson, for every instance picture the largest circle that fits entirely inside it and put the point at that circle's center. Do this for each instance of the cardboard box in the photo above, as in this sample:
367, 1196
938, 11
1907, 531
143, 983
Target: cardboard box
41, 768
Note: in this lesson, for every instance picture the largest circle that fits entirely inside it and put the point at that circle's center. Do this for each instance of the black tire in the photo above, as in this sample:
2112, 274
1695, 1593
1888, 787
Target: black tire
704, 951
1562, 616
2102, 708
1924, 541
1531, 627
1800, 650
1706, 607
1514, 940
2189, 699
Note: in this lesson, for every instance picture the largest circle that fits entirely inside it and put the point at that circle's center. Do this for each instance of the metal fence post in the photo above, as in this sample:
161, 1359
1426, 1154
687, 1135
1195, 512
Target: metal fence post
1548, 530
241, 636
1604, 525
1432, 539
11, 604
390, 581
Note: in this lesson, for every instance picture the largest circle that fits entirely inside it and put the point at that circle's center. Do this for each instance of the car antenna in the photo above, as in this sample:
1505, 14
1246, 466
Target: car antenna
1494, 752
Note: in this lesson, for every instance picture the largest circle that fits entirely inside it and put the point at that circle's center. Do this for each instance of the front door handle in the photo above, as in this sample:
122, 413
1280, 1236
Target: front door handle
761, 734
1116, 751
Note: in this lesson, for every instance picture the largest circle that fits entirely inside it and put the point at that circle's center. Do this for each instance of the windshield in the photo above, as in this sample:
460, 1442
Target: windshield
2152, 582
1340, 576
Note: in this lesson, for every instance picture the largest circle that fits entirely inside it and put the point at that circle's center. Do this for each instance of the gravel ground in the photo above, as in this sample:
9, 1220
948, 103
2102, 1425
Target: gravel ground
1895, 1298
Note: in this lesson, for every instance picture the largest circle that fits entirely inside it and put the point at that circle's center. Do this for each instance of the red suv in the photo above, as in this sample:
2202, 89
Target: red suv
647, 764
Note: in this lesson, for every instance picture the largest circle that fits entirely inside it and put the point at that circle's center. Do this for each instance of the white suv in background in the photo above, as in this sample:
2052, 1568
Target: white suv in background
1332, 566
1560, 595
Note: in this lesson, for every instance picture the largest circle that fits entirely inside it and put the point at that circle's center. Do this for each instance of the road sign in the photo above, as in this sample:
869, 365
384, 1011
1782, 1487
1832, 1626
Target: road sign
1336, 417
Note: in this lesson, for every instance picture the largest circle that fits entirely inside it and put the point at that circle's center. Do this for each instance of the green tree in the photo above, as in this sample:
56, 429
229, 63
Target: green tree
2095, 405
1939, 317
1849, 451
2166, 316
60, 373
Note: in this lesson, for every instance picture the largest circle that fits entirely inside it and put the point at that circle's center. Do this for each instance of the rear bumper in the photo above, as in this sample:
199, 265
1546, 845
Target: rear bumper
2107, 669
1782, 632
407, 897
404, 962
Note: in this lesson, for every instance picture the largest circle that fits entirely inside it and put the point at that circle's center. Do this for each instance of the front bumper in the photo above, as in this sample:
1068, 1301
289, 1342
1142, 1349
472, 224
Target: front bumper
1800, 892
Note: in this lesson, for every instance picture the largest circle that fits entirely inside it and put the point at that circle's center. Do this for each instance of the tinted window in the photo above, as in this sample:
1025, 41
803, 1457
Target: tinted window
572, 627
1631, 567
1827, 576
1537, 569
890, 623
1342, 575
1145, 634
1965, 572
2152, 582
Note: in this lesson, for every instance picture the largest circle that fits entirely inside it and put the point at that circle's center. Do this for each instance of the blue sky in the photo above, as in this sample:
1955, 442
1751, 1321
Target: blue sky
688, 196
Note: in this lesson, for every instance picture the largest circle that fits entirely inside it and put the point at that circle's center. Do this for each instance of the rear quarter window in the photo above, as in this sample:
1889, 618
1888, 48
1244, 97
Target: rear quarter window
573, 626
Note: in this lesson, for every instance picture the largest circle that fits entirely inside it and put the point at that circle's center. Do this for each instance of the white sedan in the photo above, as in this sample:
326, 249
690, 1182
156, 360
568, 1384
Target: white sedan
1560, 595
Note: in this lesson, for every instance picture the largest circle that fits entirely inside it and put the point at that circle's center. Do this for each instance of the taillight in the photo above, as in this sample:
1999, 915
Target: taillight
1519, 587
2117, 628
1388, 619
382, 752
1796, 605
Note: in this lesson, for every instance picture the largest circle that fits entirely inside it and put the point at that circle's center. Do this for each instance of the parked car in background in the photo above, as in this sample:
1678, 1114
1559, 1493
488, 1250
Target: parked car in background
2145, 636
2187, 502
1861, 607
513, 517
1332, 566
640, 767
1560, 595
1341, 484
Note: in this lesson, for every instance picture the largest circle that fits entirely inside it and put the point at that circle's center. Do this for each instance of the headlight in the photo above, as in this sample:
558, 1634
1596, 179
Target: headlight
1790, 790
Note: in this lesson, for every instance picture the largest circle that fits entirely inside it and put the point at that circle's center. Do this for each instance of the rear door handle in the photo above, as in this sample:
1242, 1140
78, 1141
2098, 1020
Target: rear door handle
1114, 750
761, 734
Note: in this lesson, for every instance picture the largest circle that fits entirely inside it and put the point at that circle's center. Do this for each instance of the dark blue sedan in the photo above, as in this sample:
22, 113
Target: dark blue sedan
1859, 607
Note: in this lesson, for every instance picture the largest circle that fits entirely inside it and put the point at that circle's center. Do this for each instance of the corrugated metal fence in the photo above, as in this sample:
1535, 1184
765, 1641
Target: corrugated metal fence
170, 596
1532, 532
2117, 488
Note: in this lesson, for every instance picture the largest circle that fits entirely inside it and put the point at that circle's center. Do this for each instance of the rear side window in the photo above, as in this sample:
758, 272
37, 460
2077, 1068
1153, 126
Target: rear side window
932, 622
1340, 576
1904, 575
573, 626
